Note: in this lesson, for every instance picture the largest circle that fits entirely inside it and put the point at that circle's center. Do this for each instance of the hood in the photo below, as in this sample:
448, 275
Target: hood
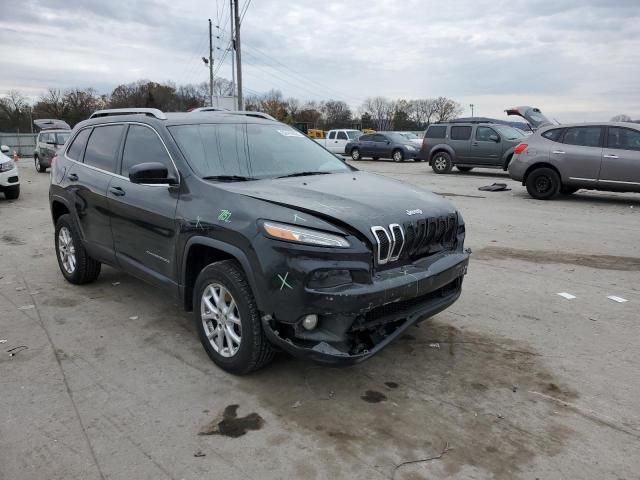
359, 199
532, 115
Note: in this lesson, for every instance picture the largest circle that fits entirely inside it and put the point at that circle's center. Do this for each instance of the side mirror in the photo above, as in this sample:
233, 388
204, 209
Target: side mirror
495, 138
4, 149
152, 173
388, 142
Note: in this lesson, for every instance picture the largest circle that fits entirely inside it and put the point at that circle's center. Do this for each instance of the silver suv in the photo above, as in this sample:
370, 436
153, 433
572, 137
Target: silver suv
53, 134
468, 144
564, 158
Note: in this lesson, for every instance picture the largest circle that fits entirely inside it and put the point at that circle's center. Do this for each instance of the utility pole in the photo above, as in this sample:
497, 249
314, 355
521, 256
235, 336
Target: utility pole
471, 105
238, 54
210, 65
233, 63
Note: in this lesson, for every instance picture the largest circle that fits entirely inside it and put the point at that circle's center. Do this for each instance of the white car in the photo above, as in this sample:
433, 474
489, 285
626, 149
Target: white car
337, 139
9, 181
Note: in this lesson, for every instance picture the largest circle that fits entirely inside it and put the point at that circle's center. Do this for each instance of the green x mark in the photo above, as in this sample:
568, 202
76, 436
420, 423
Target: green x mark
284, 281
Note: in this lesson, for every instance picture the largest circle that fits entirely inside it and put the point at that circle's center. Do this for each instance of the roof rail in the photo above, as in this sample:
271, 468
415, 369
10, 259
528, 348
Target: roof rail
246, 113
152, 112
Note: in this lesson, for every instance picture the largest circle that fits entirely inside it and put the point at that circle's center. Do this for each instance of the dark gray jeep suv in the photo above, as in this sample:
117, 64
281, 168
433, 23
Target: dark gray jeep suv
468, 144
271, 241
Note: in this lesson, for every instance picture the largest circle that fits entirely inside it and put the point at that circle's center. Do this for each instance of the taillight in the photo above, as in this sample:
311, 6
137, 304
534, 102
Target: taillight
520, 148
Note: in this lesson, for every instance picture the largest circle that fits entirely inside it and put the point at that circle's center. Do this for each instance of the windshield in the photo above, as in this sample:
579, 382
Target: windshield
61, 138
509, 133
354, 134
252, 151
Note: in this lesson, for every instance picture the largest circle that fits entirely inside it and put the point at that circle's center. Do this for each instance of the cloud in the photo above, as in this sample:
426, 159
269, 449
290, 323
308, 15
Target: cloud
575, 59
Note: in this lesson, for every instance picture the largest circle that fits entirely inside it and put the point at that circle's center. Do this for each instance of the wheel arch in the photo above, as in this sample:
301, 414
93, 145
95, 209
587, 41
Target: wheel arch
202, 251
535, 166
58, 208
442, 148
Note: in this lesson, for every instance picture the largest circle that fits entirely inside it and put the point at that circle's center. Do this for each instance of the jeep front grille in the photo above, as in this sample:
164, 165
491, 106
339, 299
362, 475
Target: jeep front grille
415, 238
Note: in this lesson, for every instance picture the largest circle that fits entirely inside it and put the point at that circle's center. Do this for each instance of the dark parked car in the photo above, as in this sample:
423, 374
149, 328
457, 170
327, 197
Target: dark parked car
564, 158
47, 145
468, 144
267, 237
383, 145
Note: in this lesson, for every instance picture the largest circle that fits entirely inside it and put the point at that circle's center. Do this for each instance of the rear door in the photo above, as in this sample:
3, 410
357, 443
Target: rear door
380, 147
364, 144
460, 141
88, 183
45, 147
143, 222
621, 159
486, 147
579, 156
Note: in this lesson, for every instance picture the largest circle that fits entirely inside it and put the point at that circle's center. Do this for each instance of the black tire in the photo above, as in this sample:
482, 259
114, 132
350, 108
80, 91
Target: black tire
567, 190
12, 193
464, 169
397, 155
441, 162
86, 268
355, 154
376, 158
254, 350
39, 167
543, 183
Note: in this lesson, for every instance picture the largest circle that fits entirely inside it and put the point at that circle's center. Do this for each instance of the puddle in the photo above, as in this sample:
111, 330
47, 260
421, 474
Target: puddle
603, 262
231, 425
473, 393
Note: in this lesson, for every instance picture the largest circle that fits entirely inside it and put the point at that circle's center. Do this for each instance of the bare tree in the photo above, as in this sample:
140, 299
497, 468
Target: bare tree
423, 110
446, 109
621, 118
381, 111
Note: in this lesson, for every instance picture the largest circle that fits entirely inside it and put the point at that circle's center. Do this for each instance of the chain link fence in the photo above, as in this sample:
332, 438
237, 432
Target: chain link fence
23, 143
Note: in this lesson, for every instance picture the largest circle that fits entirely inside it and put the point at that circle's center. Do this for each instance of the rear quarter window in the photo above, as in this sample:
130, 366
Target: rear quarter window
554, 134
439, 131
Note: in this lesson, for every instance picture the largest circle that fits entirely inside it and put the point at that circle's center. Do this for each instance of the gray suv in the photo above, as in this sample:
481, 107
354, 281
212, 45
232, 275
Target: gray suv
53, 134
564, 158
469, 144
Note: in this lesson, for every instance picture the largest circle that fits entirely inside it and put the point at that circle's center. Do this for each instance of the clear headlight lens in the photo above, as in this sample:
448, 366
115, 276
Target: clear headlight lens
6, 166
293, 233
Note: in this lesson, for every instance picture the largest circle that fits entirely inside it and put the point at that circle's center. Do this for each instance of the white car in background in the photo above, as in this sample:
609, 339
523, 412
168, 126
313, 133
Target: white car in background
9, 181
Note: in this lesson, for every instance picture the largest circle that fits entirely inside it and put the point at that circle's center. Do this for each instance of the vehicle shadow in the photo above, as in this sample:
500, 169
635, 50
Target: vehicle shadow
581, 196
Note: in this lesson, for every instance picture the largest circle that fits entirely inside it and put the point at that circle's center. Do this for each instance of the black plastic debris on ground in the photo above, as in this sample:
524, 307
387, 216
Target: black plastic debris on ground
495, 187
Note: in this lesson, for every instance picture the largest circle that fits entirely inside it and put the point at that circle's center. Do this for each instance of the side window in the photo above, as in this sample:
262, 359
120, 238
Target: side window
364, 138
76, 150
43, 137
623, 138
460, 133
554, 135
102, 147
332, 135
583, 136
143, 145
438, 131
342, 136
379, 138
483, 134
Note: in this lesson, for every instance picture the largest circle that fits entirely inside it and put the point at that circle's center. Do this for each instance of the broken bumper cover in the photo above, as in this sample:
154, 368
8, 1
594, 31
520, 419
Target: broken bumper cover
400, 297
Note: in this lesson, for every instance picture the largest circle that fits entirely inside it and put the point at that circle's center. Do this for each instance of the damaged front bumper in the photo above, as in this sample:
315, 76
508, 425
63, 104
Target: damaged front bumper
359, 320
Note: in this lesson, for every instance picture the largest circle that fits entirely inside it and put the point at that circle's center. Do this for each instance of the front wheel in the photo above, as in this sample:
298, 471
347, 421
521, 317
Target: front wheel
75, 263
355, 154
398, 156
12, 193
441, 163
543, 184
228, 320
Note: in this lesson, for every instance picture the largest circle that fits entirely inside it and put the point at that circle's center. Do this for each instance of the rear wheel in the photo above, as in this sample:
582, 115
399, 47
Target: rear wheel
12, 193
464, 169
355, 154
543, 183
398, 155
441, 163
75, 263
228, 320
39, 167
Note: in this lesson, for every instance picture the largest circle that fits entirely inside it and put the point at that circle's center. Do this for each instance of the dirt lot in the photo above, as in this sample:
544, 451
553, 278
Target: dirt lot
513, 381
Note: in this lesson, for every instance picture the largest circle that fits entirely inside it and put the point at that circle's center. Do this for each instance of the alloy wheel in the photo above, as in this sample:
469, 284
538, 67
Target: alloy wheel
67, 250
440, 163
221, 320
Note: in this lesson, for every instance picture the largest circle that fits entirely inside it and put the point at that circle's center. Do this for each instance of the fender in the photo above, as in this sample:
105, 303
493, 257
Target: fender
506, 157
439, 147
235, 252
70, 208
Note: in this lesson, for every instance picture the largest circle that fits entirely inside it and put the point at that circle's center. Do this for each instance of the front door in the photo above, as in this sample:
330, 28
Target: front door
621, 159
486, 147
580, 155
143, 216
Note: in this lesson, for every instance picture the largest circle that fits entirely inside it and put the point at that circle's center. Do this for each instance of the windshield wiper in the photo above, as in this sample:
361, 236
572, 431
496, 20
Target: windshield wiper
228, 178
303, 174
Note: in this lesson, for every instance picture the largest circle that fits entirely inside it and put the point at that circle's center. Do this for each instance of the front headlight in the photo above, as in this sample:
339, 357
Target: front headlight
294, 233
6, 166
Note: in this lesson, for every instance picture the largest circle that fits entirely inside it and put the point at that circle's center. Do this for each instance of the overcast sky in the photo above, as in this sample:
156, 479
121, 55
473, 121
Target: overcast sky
577, 60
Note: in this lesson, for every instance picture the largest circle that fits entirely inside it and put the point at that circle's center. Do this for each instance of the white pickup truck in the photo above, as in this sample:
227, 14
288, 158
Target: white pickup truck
337, 139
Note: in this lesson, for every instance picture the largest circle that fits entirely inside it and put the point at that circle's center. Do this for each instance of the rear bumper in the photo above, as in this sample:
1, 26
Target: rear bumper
376, 313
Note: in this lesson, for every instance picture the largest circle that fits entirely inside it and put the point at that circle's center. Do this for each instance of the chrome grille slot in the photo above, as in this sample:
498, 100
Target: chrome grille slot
384, 244
397, 240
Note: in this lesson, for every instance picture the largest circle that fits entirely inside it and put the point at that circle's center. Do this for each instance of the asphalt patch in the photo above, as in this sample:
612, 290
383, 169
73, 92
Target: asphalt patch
231, 425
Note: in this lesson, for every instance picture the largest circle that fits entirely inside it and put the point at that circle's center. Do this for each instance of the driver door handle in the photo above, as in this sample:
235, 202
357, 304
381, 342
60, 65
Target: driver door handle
117, 191
474, 144
73, 177
611, 156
